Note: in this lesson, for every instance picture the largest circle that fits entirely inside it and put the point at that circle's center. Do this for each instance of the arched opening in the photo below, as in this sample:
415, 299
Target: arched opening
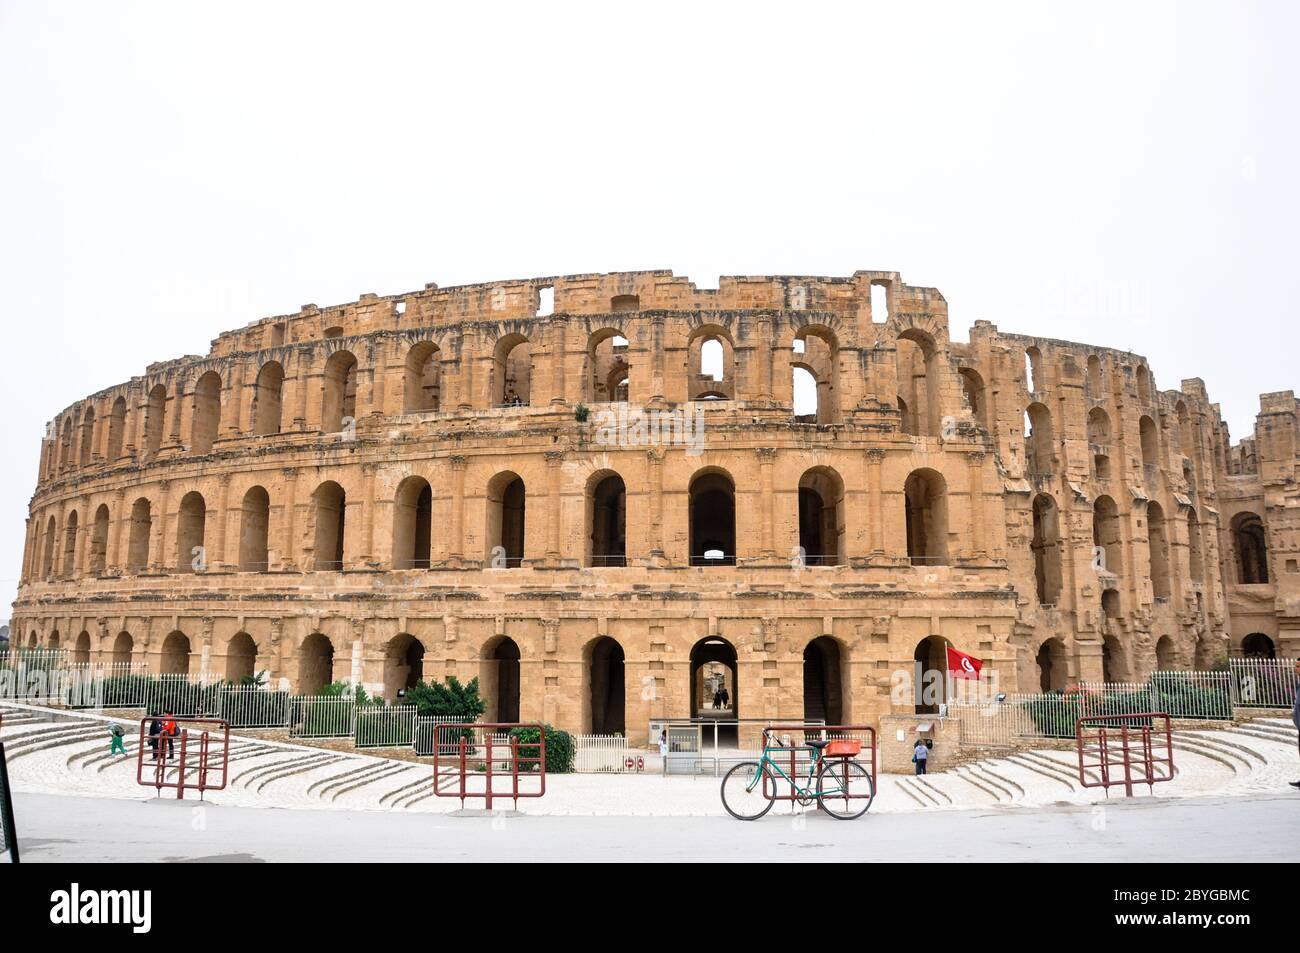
925, 498
804, 385
65, 446
1107, 548
606, 692
821, 517
339, 397
99, 542
1053, 674
413, 524
268, 399
241, 657
1166, 654
1099, 442
70, 546
330, 506
1039, 449
207, 412
1195, 554
710, 364
51, 535
191, 523
1150, 441
54, 643
1114, 661
81, 649
607, 362
123, 648
918, 382
1047, 550
1158, 547
1258, 645
1110, 604
1033, 370
423, 391
403, 665
137, 550
906, 419
714, 686
1095, 389
154, 414
816, 364
175, 654
1143, 385
116, 428
1252, 549
972, 389
607, 519
500, 679
512, 369
254, 526
507, 500
823, 694
87, 453
712, 519
930, 683
315, 664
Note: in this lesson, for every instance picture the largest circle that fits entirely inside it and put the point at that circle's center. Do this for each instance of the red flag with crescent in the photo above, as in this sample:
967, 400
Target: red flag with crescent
962, 665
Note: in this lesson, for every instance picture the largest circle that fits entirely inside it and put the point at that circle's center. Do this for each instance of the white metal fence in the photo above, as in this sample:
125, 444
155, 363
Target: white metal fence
1263, 683
321, 716
378, 726
600, 754
252, 706
1016, 717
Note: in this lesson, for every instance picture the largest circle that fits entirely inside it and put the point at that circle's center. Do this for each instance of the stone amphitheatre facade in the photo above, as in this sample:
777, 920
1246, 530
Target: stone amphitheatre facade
593, 493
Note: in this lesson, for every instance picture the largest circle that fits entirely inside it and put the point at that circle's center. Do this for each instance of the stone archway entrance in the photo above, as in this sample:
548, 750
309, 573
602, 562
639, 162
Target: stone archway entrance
606, 695
714, 689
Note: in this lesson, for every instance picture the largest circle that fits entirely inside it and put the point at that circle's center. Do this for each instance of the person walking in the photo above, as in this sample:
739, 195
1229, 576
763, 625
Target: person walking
119, 743
920, 755
155, 733
169, 732
1295, 709
663, 749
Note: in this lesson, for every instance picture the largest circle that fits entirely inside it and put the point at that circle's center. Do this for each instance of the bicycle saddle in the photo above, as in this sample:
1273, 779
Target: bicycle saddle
817, 744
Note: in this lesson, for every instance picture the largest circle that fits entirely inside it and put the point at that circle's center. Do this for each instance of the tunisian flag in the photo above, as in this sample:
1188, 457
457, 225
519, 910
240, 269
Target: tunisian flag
962, 665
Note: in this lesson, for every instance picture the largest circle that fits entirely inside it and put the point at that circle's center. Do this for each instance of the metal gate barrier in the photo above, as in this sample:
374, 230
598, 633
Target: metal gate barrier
8, 830
197, 756
477, 760
1140, 746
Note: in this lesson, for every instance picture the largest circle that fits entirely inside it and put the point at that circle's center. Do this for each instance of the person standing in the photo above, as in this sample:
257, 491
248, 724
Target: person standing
169, 733
920, 755
155, 733
118, 746
663, 749
1295, 710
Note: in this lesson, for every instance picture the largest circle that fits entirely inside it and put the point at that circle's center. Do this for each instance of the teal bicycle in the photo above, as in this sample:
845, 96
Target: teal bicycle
840, 785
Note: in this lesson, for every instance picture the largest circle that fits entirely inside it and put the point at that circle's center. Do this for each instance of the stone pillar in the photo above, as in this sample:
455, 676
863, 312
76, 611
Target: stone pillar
160, 557
554, 475
118, 520
975, 475
875, 503
218, 549
289, 552
457, 542
766, 459
657, 386
367, 555
468, 349
655, 481
557, 338
763, 358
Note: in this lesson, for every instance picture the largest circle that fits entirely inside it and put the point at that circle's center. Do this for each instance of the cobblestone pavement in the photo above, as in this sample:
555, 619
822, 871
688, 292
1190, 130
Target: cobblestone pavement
70, 756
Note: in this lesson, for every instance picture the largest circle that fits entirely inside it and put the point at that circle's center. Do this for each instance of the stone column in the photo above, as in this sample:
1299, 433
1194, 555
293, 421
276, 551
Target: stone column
457, 542
655, 481
368, 516
766, 459
876, 516
554, 475
468, 349
119, 519
557, 338
657, 385
223, 515
289, 552
160, 557
975, 476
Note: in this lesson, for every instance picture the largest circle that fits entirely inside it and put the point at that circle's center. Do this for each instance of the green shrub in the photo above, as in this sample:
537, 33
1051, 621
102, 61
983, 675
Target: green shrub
449, 700
559, 749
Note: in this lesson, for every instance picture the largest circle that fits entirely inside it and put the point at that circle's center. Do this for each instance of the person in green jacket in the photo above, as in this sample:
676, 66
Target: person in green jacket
119, 739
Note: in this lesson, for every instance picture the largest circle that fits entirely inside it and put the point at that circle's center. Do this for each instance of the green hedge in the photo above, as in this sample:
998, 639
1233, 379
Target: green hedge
560, 752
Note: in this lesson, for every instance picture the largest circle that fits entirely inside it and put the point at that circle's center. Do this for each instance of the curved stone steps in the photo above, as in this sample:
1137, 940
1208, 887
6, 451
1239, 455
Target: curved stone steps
52, 739
915, 793
323, 784
408, 794
1268, 733
356, 784
1237, 758
249, 775
321, 762
1046, 767
1011, 791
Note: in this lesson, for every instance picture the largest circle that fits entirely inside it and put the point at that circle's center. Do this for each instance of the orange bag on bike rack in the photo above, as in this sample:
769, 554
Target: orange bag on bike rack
842, 748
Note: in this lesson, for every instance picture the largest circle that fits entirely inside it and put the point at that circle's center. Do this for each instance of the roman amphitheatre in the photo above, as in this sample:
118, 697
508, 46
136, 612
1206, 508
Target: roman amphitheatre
596, 494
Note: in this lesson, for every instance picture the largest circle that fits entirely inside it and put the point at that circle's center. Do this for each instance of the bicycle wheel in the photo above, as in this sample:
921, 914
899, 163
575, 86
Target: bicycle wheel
742, 792
844, 788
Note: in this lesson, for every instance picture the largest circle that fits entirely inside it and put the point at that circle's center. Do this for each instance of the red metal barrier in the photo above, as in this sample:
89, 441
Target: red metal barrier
797, 756
1141, 746
469, 760
197, 756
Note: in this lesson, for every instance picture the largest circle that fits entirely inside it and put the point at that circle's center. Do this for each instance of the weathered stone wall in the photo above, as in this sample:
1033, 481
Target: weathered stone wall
252, 453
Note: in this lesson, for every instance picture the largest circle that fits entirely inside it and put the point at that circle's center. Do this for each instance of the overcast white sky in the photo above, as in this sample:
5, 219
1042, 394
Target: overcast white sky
1122, 174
